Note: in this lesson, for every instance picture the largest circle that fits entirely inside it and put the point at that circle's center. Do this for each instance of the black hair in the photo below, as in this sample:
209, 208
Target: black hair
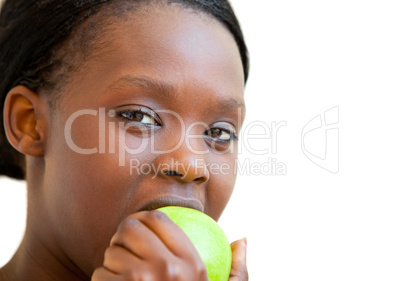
34, 32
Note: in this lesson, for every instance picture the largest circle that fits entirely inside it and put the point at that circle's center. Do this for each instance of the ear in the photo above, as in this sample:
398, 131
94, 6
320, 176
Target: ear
24, 122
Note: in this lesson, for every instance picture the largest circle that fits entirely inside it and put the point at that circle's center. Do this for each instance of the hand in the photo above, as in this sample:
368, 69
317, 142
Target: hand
239, 265
149, 246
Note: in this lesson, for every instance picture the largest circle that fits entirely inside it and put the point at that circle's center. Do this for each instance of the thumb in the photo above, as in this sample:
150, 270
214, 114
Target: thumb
239, 263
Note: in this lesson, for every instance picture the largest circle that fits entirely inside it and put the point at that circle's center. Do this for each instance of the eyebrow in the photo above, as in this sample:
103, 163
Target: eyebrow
167, 91
225, 105
162, 89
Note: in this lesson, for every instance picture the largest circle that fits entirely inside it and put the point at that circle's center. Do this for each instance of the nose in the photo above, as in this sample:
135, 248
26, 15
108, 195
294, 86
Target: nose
184, 166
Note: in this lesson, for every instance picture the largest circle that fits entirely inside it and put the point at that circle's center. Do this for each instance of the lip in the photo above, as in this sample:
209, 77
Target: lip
173, 201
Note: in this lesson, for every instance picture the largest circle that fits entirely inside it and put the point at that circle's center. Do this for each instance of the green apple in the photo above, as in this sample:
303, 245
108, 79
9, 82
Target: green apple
207, 237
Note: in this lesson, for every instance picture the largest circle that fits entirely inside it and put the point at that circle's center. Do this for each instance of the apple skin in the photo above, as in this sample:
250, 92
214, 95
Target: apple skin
208, 238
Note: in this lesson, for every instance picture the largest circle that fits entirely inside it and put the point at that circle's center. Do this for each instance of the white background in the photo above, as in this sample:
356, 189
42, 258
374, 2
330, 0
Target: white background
311, 224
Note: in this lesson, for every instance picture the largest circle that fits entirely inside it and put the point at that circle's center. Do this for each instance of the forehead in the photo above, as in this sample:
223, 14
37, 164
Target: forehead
179, 46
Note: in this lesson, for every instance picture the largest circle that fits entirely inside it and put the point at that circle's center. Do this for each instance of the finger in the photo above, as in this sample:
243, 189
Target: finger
136, 237
170, 234
103, 274
120, 260
239, 261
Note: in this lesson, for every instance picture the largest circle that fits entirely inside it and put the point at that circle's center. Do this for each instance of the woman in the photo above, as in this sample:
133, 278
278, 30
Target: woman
93, 92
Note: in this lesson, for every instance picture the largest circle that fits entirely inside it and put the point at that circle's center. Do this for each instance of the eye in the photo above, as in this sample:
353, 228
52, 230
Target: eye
222, 134
139, 116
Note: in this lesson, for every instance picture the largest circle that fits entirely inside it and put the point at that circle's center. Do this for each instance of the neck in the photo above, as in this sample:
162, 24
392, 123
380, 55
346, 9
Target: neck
39, 257
36, 261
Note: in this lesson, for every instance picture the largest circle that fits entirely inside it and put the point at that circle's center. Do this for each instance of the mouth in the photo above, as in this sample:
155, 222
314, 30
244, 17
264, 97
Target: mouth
173, 201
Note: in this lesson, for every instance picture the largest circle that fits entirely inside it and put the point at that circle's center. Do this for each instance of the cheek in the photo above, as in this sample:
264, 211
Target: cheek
96, 163
221, 183
89, 193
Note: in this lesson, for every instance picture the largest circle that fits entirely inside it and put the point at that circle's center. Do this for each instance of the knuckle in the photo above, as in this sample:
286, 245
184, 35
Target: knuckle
126, 229
201, 270
155, 216
135, 276
176, 270
173, 271
95, 275
131, 276
110, 252
98, 274
129, 225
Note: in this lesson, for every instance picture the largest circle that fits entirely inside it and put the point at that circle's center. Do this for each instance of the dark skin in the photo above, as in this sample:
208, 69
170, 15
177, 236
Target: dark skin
88, 216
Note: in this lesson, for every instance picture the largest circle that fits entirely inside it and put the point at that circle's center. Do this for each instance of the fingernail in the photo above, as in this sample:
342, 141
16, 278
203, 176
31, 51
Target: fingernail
245, 240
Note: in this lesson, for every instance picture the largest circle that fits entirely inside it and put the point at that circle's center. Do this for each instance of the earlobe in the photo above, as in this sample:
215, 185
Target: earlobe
23, 121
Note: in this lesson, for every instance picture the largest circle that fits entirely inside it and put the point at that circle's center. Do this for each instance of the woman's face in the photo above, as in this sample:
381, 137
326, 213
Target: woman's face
163, 94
